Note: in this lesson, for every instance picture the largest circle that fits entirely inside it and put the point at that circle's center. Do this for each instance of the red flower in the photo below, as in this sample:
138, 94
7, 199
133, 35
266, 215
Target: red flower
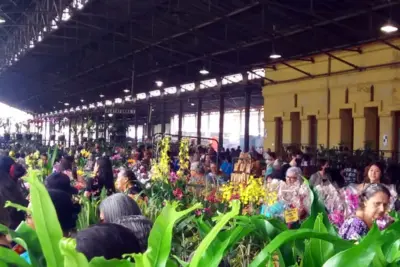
235, 196
212, 197
178, 193
79, 186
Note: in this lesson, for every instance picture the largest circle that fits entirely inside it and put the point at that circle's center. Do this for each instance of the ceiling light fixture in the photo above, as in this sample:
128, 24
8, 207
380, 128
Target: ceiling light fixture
110, 115
274, 55
2, 20
101, 96
159, 83
192, 104
389, 27
66, 104
203, 71
82, 100
126, 90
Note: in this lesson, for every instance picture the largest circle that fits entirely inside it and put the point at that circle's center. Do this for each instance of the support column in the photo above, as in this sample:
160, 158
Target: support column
69, 132
359, 133
221, 120
305, 131
105, 128
335, 135
386, 134
136, 126
45, 132
180, 118
97, 127
247, 103
163, 115
199, 108
149, 132
287, 130
270, 137
322, 129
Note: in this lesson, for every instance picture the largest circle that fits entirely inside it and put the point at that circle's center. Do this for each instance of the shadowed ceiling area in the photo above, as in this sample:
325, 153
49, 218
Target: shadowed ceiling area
54, 52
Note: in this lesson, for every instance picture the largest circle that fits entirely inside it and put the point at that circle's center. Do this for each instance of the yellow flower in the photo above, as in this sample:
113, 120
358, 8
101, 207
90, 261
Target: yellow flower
11, 154
79, 172
36, 155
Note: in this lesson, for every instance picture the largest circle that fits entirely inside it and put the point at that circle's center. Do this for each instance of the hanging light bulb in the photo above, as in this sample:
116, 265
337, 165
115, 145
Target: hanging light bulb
203, 71
159, 83
389, 27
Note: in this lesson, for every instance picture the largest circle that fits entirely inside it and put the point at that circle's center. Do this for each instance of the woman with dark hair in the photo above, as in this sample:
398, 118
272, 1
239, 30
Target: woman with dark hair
116, 206
374, 175
373, 203
322, 176
140, 226
67, 211
104, 178
107, 240
9, 191
127, 182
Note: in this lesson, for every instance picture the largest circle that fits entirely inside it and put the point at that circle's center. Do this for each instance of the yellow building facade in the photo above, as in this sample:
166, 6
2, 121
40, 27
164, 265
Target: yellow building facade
349, 97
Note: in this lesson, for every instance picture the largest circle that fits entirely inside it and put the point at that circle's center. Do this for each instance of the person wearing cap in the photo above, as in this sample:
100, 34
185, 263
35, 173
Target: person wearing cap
61, 182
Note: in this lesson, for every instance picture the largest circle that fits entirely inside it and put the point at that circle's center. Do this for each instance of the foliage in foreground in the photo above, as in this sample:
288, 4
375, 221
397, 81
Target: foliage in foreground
315, 244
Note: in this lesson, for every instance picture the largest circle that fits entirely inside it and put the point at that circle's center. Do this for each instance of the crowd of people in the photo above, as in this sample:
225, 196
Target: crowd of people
354, 198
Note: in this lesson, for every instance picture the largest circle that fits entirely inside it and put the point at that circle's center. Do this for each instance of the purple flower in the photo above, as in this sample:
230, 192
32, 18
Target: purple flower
337, 218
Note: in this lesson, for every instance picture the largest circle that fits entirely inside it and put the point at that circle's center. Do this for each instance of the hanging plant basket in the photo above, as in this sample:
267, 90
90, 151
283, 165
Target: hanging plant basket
61, 138
19, 136
39, 137
7, 136
28, 136
52, 137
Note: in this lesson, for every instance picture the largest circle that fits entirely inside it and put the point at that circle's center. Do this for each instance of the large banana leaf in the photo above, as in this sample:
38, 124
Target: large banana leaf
320, 250
359, 255
204, 245
161, 236
291, 235
48, 228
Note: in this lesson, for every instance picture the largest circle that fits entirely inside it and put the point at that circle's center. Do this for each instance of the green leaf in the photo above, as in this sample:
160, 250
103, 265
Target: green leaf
181, 262
72, 258
308, 260
213, 233
161, 235
102, 262
391, 250
47, 227
321, 250
359, 255
317, 207
18, 207
292, 235
226, 240
9, 256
